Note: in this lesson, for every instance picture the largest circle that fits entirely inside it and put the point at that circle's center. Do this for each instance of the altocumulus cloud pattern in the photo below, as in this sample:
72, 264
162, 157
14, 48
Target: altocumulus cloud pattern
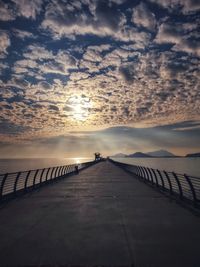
88, 64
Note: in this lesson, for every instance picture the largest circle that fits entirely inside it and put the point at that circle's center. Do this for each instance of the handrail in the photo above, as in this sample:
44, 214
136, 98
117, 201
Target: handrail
185, 187
11, 184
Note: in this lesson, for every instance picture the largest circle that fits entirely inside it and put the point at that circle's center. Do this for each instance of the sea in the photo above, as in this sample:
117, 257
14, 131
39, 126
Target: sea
16, 165
190, 166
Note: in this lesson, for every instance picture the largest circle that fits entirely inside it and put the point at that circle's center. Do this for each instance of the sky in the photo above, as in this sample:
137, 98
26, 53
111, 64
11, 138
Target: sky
91, 75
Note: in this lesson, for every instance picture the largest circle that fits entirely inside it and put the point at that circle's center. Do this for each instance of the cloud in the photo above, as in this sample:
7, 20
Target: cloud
53, 67
142, 16
186, 6
7, 127
147, 83
4, 43
40, 60
6, 12
108, 16
37, 52
180, 35
3, 66
20, 8
127, 72
102, 20
53, 107
134, 67
22, 34
28, 8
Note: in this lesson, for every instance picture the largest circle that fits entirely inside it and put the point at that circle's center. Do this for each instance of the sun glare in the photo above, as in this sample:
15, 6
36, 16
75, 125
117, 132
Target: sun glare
80, 107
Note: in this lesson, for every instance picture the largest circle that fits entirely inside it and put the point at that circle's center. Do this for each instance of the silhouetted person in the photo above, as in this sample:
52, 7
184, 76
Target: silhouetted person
97, 156
76, 169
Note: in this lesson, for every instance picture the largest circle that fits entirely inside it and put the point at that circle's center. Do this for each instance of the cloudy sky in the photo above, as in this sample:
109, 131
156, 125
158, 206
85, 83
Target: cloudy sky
78, 76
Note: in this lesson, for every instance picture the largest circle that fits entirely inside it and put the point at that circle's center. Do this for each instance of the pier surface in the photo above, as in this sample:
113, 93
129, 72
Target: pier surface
103, 216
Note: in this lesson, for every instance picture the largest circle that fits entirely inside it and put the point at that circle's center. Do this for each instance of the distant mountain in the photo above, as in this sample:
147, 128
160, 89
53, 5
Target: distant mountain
161, 153
119, 155
194, 155
139, 155
157, 154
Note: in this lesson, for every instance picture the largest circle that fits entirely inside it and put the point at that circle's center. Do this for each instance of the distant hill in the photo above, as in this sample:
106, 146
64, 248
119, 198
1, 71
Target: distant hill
154, 154
119, 155
161, 153
194, 155
139, 155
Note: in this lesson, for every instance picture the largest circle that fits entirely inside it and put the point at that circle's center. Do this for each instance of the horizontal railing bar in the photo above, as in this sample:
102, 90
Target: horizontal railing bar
169, 172
11, 173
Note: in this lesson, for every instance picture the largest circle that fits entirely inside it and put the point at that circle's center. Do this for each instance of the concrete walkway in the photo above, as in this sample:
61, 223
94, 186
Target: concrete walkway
103, 216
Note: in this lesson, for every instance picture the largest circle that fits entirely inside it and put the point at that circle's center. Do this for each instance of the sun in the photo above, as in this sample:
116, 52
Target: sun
79, 107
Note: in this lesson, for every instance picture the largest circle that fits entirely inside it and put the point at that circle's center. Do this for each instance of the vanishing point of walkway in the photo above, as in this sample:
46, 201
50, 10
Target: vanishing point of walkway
103, 216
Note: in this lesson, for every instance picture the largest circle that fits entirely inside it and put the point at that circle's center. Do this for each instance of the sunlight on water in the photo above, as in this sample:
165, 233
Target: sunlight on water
14, 165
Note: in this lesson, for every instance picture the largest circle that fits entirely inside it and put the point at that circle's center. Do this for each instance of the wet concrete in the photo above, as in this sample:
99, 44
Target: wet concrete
103, 216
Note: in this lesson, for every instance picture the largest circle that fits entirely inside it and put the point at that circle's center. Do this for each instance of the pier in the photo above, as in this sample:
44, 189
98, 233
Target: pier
102, 216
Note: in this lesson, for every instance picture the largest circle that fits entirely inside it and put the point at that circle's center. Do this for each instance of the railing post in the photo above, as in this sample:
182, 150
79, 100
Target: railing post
155, 177
143, 173
16, 180
137, 170
47, 174
169, 182
2, 185
147, 175
140, 172
26, 181
60, 171
161, 178
56, 172
65, 170
51, 177
35, 177
68, 169
191, 188
151, 176
179, 184
42, 175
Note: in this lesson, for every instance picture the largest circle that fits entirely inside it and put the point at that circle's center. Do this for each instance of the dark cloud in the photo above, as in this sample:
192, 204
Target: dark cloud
181, 35
185, 6
7, 127
107, 15
52, 107
127, 73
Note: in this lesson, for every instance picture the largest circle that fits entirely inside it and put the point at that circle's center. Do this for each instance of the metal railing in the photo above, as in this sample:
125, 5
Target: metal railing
183, 186
12, 184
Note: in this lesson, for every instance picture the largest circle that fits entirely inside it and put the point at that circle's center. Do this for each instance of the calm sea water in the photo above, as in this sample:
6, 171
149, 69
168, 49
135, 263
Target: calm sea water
190, 166
15, 165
